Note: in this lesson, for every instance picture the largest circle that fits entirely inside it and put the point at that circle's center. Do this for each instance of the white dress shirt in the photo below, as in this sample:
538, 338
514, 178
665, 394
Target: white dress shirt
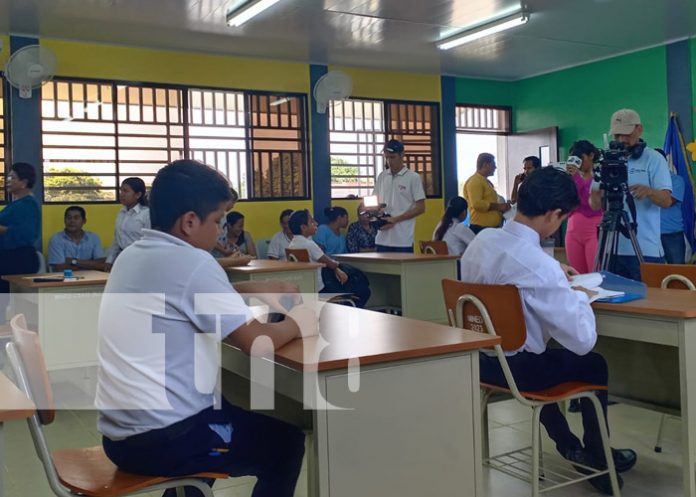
315, 253
457, 237
277, 246
400, 192
552, 309
129, 226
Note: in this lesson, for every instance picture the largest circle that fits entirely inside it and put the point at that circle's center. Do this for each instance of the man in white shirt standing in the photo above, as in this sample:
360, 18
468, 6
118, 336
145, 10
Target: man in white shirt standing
401, 190
552, 309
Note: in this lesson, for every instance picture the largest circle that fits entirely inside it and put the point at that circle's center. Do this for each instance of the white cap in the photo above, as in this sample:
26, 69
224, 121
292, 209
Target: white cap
623, 122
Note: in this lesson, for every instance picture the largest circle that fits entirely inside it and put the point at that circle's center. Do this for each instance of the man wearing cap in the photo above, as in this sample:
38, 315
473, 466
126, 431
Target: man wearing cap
650, 184
401, 190
485, 210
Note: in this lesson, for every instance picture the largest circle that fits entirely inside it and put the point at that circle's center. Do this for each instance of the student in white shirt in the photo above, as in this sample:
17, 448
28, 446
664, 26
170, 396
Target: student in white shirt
333, 277
281, 240
452, 229
131, 219
552, 310
165, 308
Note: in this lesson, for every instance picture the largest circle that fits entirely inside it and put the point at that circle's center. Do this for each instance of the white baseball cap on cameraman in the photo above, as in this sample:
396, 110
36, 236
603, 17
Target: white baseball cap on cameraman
623, 122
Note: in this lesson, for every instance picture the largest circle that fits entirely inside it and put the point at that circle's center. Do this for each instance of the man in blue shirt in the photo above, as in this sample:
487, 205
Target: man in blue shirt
672, 224
74, 247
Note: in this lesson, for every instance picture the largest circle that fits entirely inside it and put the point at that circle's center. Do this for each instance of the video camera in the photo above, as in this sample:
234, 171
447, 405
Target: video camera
374, 212
612, 170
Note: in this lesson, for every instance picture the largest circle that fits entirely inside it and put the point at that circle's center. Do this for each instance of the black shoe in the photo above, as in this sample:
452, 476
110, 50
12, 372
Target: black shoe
624, 459
580, 457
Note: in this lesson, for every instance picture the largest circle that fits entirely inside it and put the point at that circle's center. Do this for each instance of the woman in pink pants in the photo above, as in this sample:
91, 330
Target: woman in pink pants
581, 234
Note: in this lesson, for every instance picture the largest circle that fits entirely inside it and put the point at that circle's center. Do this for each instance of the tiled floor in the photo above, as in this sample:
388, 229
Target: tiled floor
654, 475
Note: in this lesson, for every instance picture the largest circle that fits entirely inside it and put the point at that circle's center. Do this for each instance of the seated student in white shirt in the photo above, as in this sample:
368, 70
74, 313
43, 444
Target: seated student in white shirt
333, 277
281, 240
552, 309
165, 308
451, 229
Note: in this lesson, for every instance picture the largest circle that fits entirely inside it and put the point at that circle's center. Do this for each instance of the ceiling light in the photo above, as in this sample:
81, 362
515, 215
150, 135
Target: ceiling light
236, 18
487, 29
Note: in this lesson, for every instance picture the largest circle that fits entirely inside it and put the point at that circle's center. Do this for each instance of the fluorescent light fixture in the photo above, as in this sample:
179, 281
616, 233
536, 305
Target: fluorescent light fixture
250, 9
483, 30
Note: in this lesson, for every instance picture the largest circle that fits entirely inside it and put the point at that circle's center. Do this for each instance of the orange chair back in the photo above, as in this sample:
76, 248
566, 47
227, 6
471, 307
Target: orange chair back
297, 255
435, 247
681, 276
502, 302
29, 349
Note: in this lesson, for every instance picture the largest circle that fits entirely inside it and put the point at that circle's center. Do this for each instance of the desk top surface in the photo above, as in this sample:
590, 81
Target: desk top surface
392, 257
13, 403
269, 266
658, 302
373, 338
87, 277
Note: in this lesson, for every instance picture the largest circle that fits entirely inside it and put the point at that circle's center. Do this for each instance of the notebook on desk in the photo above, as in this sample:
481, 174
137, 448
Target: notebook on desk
610, 287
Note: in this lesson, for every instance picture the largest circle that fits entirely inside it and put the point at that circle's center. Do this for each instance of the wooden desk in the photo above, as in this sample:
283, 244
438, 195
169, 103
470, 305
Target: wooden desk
13, 405
650, 345
412, 282
413, 426
65, 314
303, 274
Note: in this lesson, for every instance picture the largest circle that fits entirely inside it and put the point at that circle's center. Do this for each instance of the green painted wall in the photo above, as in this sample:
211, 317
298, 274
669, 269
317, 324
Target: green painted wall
580, 100
484, 92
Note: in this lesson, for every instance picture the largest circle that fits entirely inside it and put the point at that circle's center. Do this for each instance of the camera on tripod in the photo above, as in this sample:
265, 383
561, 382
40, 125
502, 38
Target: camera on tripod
612, 171
374, 212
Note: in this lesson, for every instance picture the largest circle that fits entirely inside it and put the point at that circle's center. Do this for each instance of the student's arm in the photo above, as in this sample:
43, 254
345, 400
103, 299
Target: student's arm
251, 246
234, 260
515, 187
97, 264
280, 334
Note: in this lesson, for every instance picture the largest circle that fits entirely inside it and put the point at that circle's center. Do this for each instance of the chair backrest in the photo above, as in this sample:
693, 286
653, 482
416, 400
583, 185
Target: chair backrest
435, 247
297, 255
42, 263
468, 303
262, 249
33, 365
681, 276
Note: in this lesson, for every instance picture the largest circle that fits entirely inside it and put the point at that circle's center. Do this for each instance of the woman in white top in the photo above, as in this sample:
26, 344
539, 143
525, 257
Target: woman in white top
456, 234
132, 218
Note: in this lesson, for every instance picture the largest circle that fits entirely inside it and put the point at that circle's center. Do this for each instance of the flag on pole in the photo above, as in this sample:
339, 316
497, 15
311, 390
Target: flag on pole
675, 149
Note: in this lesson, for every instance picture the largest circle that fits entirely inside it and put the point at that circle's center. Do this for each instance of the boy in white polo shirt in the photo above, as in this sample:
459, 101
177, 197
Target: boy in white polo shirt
401, 190
165, 308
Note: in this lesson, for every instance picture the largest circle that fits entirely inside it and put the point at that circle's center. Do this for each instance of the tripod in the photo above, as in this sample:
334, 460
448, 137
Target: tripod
615, 221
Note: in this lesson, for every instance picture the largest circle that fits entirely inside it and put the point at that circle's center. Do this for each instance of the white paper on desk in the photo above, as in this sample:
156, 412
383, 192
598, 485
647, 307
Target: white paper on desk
592, 282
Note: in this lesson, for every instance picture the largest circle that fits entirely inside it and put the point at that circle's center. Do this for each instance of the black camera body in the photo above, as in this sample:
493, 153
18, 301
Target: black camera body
376, 216
612, 170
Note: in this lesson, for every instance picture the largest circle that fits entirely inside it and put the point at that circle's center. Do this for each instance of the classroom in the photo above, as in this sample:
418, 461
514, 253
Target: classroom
308, 110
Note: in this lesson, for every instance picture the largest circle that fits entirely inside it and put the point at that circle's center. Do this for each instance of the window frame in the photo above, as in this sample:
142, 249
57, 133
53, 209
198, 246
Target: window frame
505, 108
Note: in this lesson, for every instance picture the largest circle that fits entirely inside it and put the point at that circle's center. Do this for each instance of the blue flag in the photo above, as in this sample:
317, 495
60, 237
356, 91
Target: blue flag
674, 146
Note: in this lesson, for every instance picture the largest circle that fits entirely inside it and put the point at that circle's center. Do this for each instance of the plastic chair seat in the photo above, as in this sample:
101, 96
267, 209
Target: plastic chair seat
88, 471
553, 394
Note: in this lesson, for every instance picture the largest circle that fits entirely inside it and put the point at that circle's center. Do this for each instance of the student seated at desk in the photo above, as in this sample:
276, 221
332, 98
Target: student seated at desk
552, 309
329, 236
185, 427
74, 247
451, 228
234, 258
238, 240
333, 277
281, 240
361, 234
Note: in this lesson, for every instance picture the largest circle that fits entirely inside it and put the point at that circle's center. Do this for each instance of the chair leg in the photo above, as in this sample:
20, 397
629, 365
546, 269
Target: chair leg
485, 441
658, 442
180, 491
542, 476
601, 421
536, 449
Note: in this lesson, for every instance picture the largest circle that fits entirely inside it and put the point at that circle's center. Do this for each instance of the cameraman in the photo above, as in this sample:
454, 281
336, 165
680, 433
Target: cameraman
401, 190
650, 185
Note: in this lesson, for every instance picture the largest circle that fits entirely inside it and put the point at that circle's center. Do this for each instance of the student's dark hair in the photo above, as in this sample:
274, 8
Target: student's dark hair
232, 218
581, 147
545, 190
334, 213
484, 158
186, 186
536, 161
77, 208
24, 171
138, 186
297, 219
455, 207
286, 212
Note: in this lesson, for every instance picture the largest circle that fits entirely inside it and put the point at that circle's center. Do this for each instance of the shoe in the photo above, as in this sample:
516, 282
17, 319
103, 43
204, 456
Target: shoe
624, 459
602, 483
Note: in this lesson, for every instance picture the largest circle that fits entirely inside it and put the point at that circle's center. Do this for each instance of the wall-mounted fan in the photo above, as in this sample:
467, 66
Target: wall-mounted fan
334, 85
29, 68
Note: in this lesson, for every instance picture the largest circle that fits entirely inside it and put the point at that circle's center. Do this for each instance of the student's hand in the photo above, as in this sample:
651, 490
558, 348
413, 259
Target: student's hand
571, 169
569, 271
341, 276
307, 320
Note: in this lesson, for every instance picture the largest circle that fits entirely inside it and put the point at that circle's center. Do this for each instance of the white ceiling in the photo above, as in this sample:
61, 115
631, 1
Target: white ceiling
387, 34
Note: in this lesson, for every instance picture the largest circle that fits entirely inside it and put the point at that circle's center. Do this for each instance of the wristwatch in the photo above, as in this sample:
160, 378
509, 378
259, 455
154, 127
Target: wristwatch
73, 262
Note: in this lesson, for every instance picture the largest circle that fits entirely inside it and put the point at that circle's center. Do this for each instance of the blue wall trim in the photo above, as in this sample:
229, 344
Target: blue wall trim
449, 136
679, 86
321, 168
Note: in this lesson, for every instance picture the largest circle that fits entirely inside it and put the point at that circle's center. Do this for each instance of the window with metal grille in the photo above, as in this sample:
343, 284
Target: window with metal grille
358, 130
481, 118
4, 142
